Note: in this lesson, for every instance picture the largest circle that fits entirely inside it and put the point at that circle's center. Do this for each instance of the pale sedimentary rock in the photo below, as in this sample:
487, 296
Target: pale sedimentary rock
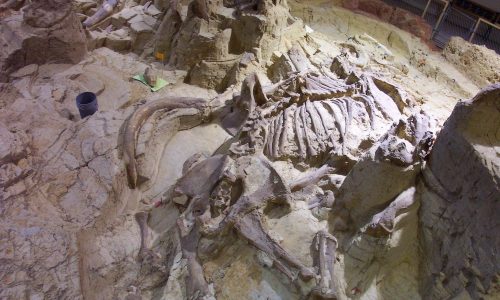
318, 182
47, 31
460, 202
308, 118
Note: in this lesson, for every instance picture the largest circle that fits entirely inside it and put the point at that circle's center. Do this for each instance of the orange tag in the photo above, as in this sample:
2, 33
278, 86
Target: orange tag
160, 56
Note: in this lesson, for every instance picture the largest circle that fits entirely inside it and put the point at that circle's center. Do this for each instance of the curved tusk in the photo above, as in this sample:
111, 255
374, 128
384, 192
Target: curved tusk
138, 118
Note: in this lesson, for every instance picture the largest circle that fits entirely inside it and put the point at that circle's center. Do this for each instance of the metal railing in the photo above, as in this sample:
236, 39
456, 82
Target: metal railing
449, 20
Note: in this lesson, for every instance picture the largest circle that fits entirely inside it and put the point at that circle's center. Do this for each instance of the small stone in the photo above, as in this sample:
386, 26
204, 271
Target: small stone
140, 27
128, 13
58, 94
182, 199
118, 40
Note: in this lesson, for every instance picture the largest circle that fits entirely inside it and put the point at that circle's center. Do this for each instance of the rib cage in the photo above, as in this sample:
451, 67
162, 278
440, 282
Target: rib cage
312, 115
311, 129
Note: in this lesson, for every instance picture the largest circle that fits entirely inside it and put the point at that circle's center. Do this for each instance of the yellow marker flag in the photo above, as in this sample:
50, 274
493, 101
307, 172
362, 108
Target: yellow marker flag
160, 56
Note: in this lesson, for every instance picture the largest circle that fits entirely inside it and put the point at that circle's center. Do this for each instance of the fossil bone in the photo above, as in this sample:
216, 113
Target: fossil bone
383, 222
307, 116
136, 121
311, 178
104, 11
327, 247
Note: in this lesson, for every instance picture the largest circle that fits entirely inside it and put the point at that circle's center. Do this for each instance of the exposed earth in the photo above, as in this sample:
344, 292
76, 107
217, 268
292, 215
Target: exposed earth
300, 150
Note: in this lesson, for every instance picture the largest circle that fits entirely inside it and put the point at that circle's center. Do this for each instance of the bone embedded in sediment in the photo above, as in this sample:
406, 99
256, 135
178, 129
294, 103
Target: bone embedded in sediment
316, 122
383, 222
277, 135
327, 247
383, 102
299, 130
299, 59
311, 151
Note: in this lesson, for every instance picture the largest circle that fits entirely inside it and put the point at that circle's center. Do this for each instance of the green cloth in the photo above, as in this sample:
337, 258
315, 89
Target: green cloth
160, 82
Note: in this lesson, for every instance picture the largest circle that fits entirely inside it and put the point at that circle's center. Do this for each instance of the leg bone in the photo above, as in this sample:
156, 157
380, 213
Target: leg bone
250, 227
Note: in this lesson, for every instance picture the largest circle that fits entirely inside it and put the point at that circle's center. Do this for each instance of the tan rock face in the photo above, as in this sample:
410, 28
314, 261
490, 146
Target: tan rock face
49, 31
460, 201
477, 62
394, 15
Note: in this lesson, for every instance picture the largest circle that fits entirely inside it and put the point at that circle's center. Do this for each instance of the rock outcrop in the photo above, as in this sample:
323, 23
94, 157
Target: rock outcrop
46, 32
479, 63
227, 40
460, 198
394, 15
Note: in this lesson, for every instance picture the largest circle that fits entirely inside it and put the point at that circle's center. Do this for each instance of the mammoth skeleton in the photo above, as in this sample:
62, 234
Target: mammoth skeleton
309, 118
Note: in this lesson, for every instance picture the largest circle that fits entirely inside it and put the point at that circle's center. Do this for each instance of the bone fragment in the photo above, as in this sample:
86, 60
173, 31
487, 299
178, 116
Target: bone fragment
300, 133
142, 221
278, 132
327, 246
250, 227
310, 148
311, 178
105, 10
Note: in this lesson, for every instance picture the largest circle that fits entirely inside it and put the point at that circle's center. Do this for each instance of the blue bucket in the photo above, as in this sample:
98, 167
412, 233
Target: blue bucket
87, 104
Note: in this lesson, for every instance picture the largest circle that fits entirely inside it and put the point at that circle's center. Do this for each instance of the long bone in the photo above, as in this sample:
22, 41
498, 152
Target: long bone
245, 217
142, 220
382, 224
105, 10
250, 227
299, 130
311, 178
310, 149
327, 247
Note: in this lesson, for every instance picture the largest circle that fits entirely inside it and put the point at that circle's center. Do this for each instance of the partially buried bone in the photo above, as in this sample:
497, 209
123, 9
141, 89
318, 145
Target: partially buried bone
233, 117
382, 224
327, 247
307, 116
244, 215
105, 10
138, 118
250, 227
311, 178
243, 105
145, 254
